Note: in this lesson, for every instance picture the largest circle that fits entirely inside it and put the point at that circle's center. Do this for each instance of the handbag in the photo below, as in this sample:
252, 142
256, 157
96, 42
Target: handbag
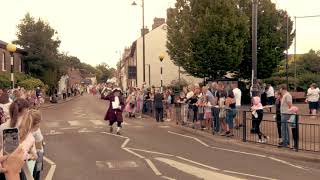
222, 113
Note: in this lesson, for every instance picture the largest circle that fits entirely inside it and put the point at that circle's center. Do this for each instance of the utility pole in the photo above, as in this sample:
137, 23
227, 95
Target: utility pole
254, 90
143, 45
287, 52
295, 52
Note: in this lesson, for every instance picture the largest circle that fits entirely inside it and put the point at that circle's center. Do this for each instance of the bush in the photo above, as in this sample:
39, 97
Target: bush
5, 82
31, 83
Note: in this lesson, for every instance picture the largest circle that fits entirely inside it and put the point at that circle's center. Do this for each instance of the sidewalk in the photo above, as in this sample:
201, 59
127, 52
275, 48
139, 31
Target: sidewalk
49, 104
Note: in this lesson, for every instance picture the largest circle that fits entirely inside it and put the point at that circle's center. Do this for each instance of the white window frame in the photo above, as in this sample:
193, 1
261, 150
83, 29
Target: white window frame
3, 61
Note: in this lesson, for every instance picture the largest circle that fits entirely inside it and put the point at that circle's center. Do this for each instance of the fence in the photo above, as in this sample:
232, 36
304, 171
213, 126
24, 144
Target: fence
304, 134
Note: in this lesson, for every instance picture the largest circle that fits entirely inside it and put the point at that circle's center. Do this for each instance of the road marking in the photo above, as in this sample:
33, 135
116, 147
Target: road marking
287, 163
152, 152
53, 132
169, 178
240, 152
69, 128
51, 170
249, 175
124, 123
52, 124
98, 122
110, 165
196, 139
131, 152
223, 149
153, 167
115, 135
195, 171
74, 123
84, 130
125, 143
164, 126
203, 165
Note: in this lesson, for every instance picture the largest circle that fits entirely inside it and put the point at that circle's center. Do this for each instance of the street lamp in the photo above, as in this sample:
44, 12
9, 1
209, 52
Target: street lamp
161, 58
143, 41
12, 49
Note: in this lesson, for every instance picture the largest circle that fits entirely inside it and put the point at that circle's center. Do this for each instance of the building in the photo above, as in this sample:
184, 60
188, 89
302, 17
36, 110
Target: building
155, 41
74, 77
5, 64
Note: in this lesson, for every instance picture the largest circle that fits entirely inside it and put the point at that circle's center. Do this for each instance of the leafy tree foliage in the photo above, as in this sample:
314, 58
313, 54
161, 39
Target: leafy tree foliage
206, 37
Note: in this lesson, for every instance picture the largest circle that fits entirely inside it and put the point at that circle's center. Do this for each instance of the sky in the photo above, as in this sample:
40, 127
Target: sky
97, 31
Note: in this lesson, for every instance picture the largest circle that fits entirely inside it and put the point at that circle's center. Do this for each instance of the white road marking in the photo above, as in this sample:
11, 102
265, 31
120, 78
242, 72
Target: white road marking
74, 123
203, 165
125, 143
84, 130
195, 171
152, 152
249, 175
51, 170
124, 123
53, 132
196, 139
115, 135
169, 178
287, 163
69, 128
131, 152
164, 126
110, 165
240, 152
98, 122
153, 167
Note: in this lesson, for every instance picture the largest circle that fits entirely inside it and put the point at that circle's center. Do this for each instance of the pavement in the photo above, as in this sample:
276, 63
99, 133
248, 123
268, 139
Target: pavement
79, 146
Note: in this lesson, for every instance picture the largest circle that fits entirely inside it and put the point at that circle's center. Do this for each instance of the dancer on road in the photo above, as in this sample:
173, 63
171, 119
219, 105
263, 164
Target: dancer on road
114, 113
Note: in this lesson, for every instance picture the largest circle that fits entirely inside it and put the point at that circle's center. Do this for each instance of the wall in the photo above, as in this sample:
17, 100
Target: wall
155, 44
17, 61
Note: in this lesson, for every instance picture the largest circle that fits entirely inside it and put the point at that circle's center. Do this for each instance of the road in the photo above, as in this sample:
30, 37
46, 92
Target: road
79, 147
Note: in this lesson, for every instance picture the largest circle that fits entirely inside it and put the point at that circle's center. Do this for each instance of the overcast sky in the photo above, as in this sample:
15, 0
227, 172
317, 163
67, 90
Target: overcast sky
96, 30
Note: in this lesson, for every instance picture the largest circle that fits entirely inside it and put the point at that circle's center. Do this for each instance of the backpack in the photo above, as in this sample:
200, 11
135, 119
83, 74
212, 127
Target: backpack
2, 116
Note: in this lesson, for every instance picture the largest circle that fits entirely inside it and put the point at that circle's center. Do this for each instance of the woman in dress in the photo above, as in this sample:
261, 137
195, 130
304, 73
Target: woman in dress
114, 113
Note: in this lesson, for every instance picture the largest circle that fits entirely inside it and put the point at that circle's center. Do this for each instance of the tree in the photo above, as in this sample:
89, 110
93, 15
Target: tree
104, 72
39, 39
206, 37
272, 27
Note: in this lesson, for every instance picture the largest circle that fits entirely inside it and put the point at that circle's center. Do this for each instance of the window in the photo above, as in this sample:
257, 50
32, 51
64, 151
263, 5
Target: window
3, 61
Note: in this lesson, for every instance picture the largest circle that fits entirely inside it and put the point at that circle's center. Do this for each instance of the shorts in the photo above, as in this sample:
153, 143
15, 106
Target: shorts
313, 105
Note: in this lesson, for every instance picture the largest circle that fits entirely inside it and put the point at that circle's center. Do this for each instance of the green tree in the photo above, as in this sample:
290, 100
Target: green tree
40, 40
104, 72
272, 28
206, 37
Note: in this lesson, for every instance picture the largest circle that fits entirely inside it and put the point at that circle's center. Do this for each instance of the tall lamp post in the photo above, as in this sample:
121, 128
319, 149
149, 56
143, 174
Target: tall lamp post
254, 90
143, 42
161, 58
12, 49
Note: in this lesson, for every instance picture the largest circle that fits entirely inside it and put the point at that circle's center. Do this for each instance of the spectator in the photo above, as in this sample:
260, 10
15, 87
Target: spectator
215, 109
237, 96
4, 107
38, 91
169, 104
270, 95
181, 103
313, 98
158, 105
139, 103
230, 113
293, 123
12, 164
222, 112
193, 109
257, 117
209, 101
200, 106
286, 104
278, 114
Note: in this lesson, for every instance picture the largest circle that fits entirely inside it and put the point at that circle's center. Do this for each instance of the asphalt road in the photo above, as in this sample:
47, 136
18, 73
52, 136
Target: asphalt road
79, 147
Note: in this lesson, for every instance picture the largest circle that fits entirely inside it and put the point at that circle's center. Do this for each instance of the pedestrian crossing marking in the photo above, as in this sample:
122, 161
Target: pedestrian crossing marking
98, 122
74, 123
116, 164
52, 124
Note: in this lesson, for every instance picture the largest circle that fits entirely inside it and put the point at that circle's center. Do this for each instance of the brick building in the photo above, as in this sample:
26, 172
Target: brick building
5, 59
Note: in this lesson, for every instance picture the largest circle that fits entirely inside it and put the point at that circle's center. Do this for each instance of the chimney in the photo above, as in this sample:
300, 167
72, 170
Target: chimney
158, 22
144, 31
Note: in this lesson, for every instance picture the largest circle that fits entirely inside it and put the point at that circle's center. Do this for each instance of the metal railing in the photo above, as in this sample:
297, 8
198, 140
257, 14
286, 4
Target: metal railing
303, 135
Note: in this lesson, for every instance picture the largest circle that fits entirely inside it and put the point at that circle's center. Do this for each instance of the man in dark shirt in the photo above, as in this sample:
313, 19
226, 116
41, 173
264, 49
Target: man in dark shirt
158, 105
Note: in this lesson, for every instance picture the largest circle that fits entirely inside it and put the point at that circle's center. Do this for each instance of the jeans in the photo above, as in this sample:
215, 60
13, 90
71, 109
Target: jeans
159, 114
229, 118
285, 129
215, 119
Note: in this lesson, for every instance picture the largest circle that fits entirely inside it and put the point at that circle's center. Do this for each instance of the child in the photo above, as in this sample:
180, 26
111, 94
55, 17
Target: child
231, 111
293, 123
200, 105
257, 116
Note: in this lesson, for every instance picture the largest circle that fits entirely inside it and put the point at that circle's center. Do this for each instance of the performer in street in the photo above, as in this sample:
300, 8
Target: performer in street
115, 109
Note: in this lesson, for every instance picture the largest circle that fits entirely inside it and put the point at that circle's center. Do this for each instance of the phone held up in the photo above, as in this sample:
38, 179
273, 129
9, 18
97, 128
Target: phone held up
10, 140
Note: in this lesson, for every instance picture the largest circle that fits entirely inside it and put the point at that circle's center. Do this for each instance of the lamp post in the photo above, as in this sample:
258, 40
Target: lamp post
161, 58
149, 74
12, 49
143, 42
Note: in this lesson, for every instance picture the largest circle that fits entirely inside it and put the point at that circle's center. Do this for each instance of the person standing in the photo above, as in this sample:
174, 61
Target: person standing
114, 113
313, 98
286, 104
270, 95
257, 117
158, 105
215, 110
278, 114
230, 112
237, 96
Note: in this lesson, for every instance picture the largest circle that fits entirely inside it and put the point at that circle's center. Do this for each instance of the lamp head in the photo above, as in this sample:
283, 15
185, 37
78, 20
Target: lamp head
134, 3
161, 57
11, 48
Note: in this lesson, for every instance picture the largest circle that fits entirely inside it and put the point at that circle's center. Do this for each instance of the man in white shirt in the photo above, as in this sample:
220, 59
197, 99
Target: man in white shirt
270, 95
237, 96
